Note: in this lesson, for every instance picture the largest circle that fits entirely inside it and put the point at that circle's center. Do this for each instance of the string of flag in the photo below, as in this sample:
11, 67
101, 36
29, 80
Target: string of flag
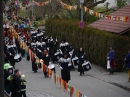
97, 14
27, 5
74, 7
110, 17
69, 7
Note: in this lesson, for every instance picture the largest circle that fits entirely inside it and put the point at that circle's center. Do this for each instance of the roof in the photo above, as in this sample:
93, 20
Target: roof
117, 27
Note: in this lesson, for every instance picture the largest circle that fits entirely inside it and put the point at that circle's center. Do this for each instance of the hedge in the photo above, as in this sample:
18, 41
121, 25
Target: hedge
95, 42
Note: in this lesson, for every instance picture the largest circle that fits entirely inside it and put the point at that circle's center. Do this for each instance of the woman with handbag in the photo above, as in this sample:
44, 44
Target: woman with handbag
110, 57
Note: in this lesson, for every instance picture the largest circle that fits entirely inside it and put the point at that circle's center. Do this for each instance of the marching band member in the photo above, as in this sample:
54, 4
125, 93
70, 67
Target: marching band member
6, 54
41, 44
33, 44
33, 59
45, 56
45, 39
64, 46
33, 34
12, 52
82, 58
28, 44
17, 42
53, 49
39, 34
64, 62
72, 55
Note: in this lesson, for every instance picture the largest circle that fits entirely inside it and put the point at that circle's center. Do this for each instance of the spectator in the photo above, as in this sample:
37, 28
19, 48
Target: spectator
6, 77
110, 57
127, 63
15, 84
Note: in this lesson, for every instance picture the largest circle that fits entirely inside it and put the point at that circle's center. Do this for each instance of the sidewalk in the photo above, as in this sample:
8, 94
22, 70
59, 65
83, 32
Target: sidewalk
119, 79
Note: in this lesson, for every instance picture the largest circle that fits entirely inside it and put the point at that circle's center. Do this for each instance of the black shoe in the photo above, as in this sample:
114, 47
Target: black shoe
80, 74
46, 76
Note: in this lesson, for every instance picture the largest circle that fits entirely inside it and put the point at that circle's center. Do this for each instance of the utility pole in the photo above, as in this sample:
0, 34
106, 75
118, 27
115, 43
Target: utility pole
81, 10
32, 8
1, 52
81, 24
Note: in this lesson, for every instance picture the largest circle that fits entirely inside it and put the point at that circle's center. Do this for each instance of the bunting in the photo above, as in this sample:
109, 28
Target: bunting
49, 72
33, 3
44, 68
110, 17
42, 3
69, 7
71, 91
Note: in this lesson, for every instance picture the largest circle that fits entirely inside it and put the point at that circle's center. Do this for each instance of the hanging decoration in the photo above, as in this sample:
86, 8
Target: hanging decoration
110, 17
69, 7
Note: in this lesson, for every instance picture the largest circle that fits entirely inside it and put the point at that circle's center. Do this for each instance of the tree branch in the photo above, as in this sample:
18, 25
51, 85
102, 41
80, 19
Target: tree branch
95, 4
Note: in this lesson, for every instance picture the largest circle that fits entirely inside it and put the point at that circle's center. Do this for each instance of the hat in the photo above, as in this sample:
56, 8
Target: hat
7, 66
22, 76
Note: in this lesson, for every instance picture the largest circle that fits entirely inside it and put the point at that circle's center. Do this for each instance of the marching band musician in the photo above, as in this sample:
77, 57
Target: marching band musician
28, 44
41, 44
45, 39
64, 63
45, 56
17, 42
64, 46
33, 34
53, 49
12, 52
33, 59
6, 54
72, 55
82, 58
33, 44
39, 35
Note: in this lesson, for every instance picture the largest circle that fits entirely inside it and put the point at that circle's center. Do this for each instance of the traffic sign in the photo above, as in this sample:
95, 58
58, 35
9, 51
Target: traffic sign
81, 24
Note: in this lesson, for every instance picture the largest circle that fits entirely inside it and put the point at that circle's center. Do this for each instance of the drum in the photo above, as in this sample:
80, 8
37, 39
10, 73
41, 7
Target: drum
10, 70
86, 66
75, 61
17, 58
51, 66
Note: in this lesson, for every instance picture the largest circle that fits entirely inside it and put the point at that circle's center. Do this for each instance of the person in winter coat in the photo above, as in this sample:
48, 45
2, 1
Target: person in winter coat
127, 63
6, 77
15, 83
110, 57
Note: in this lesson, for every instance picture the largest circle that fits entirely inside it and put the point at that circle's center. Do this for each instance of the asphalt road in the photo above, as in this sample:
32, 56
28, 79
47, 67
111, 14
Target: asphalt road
95, 83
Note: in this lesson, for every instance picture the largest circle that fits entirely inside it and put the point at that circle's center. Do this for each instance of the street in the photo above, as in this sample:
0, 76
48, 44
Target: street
95, 83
